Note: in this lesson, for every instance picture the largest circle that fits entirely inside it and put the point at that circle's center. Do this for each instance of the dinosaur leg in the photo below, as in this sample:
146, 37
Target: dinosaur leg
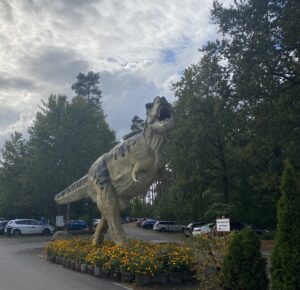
108, 204
101, 229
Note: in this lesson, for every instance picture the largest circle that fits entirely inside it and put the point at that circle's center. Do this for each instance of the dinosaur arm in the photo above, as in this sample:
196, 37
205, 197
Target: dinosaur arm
134, 172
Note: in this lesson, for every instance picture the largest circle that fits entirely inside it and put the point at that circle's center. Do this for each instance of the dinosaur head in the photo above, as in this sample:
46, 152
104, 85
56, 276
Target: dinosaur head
159, 115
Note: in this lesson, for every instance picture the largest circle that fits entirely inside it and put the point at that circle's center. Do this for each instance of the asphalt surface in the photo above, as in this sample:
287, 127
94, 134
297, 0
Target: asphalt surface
23, 265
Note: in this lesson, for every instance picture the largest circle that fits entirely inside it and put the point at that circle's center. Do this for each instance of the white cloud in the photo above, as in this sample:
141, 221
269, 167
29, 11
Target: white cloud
139, 46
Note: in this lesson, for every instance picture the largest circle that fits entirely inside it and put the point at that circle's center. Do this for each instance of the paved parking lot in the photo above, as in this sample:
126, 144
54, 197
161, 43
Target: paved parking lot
23, 265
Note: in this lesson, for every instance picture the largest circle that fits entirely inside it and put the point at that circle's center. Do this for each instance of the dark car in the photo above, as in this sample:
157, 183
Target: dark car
237, 226
148, 224
76, 225
2, 226
259, 230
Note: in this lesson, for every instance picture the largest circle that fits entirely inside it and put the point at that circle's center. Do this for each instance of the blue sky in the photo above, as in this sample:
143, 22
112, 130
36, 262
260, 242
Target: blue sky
138, 46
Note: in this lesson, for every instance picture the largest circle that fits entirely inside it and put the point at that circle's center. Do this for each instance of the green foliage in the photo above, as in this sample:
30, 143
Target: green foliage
137, 125
286, 253
87, 87
15, 198
138, 208
209, 253
244, 267
237, 115
270, 235
64, 140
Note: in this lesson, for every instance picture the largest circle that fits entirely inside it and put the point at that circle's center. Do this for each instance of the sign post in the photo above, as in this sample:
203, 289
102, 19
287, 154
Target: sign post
223, 225
59, 221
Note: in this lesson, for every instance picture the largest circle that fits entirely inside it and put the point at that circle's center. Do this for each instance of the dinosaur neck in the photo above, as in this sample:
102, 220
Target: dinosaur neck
153, 139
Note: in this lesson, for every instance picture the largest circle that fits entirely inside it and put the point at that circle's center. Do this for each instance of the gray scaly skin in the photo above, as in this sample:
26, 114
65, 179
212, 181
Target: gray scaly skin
124, 172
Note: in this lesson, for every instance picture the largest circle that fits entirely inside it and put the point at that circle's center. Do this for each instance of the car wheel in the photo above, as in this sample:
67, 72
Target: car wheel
46, 232
17, 233
162, 230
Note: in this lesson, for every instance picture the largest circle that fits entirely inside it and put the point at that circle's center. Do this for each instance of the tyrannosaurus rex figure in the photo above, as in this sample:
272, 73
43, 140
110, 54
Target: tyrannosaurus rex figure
124, 172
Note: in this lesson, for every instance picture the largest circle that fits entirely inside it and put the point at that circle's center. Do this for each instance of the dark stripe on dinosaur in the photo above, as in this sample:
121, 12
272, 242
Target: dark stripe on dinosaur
102, 174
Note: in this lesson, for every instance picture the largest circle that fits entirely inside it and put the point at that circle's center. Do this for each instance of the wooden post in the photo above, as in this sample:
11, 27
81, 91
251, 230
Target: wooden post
68, 212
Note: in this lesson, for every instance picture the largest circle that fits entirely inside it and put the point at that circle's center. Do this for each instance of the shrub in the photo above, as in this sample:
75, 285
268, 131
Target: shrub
243, 266
209, 252
267, 235
286, 254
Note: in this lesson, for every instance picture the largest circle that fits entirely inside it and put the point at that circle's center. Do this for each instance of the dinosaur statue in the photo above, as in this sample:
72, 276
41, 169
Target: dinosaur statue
124, 172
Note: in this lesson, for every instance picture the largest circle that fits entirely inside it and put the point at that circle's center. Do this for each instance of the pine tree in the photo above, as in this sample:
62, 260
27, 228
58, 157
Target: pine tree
137, 125
244, 268
87, 87
286, 253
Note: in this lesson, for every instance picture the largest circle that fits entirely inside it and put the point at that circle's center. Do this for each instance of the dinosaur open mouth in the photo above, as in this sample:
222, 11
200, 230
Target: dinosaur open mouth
163, 114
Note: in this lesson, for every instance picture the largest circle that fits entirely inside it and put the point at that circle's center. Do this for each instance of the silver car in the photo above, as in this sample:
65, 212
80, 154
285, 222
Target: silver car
168, 226
28, 227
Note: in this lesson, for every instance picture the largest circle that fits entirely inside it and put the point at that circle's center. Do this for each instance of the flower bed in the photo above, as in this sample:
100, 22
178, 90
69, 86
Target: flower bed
144, 262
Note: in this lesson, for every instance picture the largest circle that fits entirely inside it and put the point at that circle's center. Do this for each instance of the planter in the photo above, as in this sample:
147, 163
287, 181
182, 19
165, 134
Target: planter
83, 268
160, 278
115, 276
104, 274
77, 266
72, 265
96, 271
175, 277
143, 279
126, 277
187, 276
66, 263
51, 258
90, 269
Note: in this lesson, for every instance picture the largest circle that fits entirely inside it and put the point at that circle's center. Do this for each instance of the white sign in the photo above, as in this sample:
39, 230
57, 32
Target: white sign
223, 225
59, 222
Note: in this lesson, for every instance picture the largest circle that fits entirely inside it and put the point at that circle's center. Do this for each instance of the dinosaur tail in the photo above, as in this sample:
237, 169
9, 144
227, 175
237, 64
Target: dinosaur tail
74, 192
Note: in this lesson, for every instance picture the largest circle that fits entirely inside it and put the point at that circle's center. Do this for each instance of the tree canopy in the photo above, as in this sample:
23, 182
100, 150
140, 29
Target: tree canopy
64, 140
236, 119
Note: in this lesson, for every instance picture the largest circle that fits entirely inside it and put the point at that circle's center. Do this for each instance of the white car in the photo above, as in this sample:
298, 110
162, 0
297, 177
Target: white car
28, 227
167, 226
206, 229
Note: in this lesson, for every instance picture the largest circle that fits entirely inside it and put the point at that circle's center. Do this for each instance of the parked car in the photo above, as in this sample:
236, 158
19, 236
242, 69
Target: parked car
260, 230
189, 228
238, 226
28, 227
234, 226
148, 224
206, 229
168, 226
2, 226
139, 222
74, 225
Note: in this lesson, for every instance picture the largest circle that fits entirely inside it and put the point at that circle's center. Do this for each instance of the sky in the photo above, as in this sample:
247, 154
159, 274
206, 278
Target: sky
140, 47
